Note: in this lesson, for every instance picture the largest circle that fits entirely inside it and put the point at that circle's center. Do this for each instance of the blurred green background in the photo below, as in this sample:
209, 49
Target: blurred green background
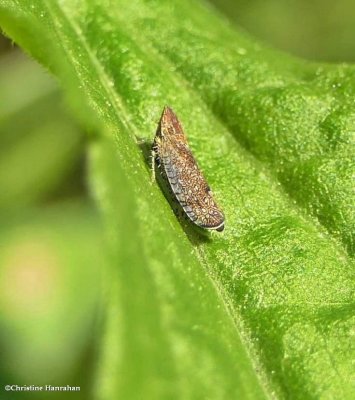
52, 260
319, 30
52, 252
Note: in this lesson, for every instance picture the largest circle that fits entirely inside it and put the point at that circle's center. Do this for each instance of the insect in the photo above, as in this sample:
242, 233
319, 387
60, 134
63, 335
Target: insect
171, 153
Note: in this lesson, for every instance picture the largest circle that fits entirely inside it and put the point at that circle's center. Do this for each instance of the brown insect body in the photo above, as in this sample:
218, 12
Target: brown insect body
186, 181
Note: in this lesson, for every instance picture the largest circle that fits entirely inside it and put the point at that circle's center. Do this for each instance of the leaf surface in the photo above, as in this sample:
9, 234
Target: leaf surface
264, 309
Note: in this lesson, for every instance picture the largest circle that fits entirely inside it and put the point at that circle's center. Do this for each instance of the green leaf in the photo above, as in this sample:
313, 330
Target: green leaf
297, 117
169, 333
264, 309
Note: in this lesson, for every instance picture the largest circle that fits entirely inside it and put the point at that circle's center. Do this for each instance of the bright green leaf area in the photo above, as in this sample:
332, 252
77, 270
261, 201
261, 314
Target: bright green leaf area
265, 308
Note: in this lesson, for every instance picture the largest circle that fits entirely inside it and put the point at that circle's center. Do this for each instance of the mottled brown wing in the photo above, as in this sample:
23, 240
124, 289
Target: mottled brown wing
184, 177
188, 184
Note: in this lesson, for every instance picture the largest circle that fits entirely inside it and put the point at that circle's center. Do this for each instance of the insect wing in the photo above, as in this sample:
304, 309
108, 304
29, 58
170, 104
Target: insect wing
185, 179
